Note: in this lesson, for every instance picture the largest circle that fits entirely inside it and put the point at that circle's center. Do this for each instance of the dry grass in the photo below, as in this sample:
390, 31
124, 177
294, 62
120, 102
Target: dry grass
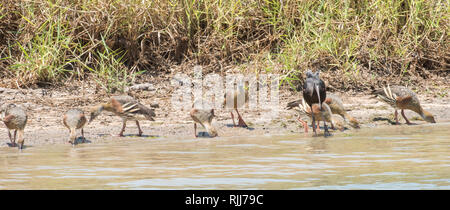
356, 44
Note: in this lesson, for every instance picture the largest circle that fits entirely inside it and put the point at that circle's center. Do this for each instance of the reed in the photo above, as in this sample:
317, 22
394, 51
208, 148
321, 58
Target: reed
356, 44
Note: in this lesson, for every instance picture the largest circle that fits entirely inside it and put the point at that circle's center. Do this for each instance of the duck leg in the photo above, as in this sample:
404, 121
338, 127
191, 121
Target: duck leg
232, 117
124, 124
15, 134
21, 140
82, 135
13, 142
396, 117
404, 116
305, 125
241, 121
139, 127
195, 130
326, 132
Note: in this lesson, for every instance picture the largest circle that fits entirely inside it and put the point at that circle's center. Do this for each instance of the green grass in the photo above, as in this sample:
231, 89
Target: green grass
45, 58
110, 72
354, 43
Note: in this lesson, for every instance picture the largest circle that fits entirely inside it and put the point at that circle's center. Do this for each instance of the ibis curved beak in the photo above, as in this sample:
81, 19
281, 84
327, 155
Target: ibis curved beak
318, 95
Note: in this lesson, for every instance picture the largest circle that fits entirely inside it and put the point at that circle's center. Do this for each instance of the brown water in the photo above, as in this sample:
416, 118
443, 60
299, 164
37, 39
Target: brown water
395, 157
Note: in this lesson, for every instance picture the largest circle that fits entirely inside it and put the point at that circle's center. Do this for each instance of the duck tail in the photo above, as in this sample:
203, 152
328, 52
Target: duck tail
293, 104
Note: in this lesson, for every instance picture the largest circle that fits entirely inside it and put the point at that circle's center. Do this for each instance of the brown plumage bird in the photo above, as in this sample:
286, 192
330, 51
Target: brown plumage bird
337, 107
125, 107
401, 97
235, 99
320, 115
74, 119
314, 92
15, 118
204, 117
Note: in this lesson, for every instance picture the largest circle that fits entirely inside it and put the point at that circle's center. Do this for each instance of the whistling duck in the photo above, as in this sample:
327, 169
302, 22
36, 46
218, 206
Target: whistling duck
74, 119
321, 115
125, 107
204, 117
400, 97
337, 107
235, 99
15, 118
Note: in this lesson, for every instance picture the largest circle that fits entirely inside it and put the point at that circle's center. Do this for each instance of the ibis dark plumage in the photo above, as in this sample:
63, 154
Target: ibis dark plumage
314, 92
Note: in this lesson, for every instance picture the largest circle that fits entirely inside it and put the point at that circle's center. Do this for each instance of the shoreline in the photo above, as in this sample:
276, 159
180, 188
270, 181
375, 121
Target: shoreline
45, 113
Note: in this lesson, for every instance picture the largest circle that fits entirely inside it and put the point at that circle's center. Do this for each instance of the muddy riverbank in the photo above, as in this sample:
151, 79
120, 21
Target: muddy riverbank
45, 109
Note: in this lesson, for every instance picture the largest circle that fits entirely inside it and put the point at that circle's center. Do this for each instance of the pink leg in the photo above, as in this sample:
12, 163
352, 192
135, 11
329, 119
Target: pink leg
305, 125
13, 142
241, 121
404, 116
232, 117
139, 127
396, 117
124, 124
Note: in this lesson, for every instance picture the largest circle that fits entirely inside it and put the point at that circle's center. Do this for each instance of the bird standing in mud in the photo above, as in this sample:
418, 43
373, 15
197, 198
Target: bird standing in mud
15, 118
320, 115
204, 117
125, 107
314, 92
74, 119
401, 97
337, 107
235, 99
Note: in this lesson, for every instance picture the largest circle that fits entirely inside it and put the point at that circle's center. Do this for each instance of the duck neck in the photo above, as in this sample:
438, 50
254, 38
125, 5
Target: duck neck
419, 111
347, 117
105, 106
